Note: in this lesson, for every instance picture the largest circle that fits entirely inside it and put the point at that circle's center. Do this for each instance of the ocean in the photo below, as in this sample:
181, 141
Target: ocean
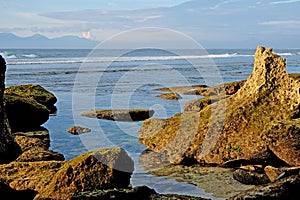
83, 80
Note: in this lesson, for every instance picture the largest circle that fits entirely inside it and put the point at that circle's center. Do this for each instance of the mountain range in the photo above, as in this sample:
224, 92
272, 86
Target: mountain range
38, 41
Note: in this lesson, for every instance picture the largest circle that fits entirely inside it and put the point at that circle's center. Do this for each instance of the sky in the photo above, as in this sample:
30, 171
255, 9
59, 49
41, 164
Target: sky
215, 23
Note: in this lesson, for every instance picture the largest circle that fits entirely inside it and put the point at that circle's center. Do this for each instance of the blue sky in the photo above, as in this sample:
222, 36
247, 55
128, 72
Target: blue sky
215, 23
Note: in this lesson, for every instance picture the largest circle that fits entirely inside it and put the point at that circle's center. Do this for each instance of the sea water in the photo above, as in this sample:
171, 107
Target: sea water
111, 81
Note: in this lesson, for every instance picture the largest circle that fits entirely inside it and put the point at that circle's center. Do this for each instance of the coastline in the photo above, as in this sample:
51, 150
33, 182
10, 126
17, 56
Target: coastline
186, 174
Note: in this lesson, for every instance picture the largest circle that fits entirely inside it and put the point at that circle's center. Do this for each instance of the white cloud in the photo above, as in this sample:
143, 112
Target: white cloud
280, 22
282, 2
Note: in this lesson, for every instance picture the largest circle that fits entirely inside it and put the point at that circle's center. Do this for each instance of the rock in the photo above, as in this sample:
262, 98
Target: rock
39, 154
250, 177
76, 130
287, 188
120, 114
29, 142
170, 96
9, 193
101, 169
235, 127
263, 158
274, 173
24, 113
184, 89
29, 175
9, 149
285, 142
35, 92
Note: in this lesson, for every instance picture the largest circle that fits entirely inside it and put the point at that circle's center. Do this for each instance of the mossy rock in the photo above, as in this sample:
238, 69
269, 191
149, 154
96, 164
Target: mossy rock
36, 92
24, 113
101, 169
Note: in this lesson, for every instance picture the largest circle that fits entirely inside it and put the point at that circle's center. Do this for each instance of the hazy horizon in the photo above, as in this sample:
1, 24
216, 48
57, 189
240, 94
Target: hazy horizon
212, 23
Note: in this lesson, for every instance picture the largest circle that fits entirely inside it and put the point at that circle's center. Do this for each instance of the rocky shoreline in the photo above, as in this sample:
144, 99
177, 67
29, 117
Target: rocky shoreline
241, 141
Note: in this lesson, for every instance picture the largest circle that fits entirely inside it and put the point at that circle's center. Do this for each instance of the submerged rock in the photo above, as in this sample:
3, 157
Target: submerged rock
236, 127
120, 114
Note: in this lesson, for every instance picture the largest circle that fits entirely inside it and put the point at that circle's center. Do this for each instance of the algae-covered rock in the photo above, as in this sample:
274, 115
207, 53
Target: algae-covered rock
100, 169
25, 113
29, 142
235, 127
137, 114
35, 92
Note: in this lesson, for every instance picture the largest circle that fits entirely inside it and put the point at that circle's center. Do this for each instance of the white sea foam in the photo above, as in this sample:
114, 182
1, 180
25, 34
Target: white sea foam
33, 59
30, 55
286, 54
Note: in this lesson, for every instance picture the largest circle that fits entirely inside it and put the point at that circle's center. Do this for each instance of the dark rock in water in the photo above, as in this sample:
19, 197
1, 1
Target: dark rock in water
76, 130
8, 193
287, 188
9, 149
250, 177
120, 114
235, 127
35, 92
170, 96
24, 113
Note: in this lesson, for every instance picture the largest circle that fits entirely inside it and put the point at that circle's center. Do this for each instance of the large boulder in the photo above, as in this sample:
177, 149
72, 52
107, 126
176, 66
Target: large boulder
25, 113
101, 169
9, 149
235, 127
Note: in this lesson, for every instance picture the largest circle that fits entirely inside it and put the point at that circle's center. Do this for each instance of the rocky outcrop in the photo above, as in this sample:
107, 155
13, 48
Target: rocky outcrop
9, 149
237, 127
120, 114
97, 170
35, 92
